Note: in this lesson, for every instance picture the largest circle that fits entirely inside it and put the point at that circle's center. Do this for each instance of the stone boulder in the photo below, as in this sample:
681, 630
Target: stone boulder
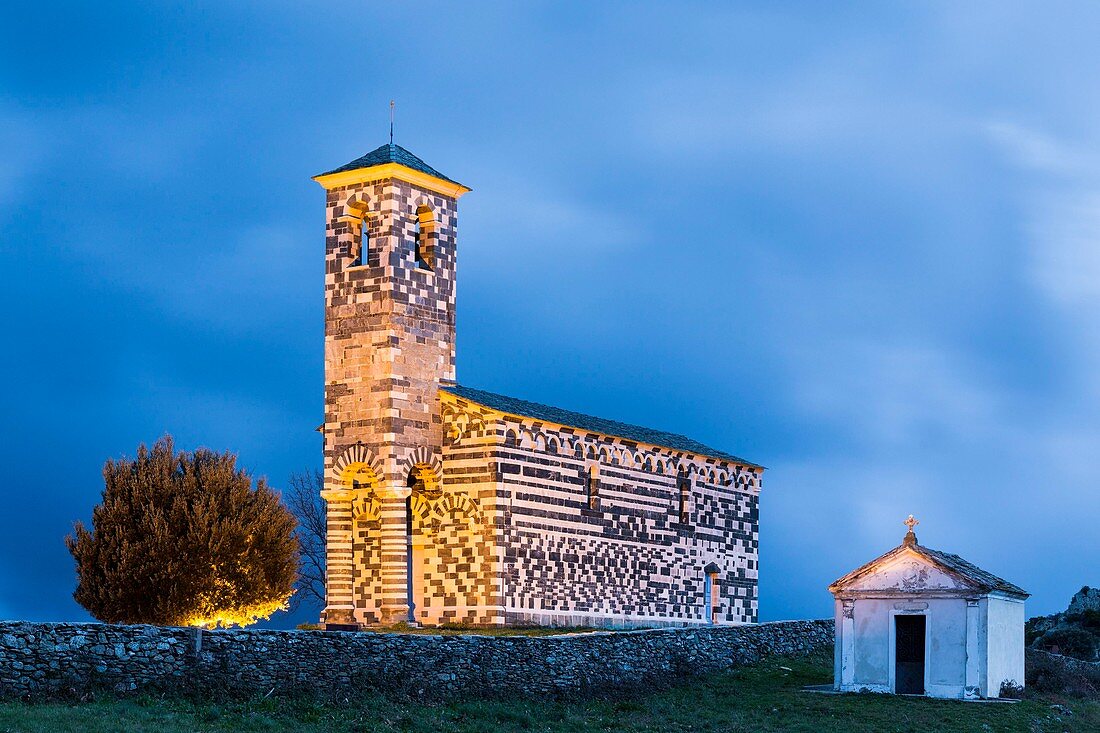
1086, 599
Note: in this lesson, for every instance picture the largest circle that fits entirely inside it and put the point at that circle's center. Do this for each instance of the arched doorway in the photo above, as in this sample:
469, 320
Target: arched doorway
710, 591
422, 488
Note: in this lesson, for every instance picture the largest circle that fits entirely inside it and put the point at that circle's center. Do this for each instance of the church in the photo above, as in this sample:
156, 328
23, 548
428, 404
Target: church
453, 505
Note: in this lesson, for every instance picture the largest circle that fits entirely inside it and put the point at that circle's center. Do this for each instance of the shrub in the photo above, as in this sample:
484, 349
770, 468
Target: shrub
1046, 673
1089, 619
1072, 642
184, 539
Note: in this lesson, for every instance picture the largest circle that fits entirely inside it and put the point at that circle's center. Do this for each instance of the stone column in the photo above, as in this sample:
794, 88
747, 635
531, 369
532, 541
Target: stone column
973, 651
847, 644
339, 561
395, 554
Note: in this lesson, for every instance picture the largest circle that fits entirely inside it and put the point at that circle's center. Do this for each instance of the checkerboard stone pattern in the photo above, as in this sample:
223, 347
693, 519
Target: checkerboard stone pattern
630, 561
442, 510
389, 342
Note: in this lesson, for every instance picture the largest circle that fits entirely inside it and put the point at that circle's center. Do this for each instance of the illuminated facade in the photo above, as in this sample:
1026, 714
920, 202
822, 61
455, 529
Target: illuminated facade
452, 505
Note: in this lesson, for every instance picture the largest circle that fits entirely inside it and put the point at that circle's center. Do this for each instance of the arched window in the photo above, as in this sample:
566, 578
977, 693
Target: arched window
683, 485
591, 476
424, 238
359, 248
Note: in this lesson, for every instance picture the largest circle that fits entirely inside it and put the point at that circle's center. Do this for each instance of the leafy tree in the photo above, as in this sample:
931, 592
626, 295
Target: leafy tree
304, 499
184, 539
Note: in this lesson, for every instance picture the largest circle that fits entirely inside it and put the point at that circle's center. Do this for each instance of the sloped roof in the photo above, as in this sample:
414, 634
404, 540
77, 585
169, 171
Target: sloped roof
389, 153
636, 433
983, 580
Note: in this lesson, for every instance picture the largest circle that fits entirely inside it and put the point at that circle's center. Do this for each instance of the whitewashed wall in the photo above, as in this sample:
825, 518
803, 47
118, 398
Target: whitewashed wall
1006, 643
873, 645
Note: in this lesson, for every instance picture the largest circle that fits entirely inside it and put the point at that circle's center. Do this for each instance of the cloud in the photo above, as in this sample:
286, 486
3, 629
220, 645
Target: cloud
1065, 251
1062, 211
151, 146
249, 281
1032, 149
23, 150
253, 281
1060, 206
524, 214
721, 116
894, 394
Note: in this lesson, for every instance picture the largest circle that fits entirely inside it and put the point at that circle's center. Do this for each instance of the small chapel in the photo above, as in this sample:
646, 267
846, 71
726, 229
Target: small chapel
448, 504
918, 621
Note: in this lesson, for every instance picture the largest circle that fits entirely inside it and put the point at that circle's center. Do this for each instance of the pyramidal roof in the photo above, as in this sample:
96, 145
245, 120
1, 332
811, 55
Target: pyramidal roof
389, 153
982, 580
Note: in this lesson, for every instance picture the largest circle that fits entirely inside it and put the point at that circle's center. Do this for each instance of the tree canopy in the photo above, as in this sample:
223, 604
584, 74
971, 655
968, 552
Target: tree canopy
184, 539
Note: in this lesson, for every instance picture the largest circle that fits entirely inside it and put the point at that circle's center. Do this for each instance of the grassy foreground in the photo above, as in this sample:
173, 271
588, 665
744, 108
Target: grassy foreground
766, 697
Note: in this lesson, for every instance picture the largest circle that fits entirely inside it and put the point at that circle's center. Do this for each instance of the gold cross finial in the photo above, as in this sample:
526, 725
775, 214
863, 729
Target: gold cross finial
910, 538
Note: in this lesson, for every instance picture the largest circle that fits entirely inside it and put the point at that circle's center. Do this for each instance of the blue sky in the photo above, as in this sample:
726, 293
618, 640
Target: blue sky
857, 243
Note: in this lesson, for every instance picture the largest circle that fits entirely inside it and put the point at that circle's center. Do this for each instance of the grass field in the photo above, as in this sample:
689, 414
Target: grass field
765, 697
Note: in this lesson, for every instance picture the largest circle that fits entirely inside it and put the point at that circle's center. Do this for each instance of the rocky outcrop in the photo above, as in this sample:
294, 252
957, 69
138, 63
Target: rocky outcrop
1086, 599
39, 660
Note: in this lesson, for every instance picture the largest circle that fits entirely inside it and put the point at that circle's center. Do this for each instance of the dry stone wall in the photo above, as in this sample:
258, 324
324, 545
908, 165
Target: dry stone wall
40, 660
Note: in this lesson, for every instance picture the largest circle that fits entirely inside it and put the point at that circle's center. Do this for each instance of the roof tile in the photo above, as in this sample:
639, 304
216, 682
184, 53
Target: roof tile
982, 579
390, 153
547, 413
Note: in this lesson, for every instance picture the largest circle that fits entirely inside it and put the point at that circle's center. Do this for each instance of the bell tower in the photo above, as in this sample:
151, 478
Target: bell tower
389, 343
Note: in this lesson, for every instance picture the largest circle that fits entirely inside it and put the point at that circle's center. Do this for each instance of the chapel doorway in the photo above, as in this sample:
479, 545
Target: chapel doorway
909, 637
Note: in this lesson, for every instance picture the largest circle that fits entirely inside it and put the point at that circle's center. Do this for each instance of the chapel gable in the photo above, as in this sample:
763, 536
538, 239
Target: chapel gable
909, 572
